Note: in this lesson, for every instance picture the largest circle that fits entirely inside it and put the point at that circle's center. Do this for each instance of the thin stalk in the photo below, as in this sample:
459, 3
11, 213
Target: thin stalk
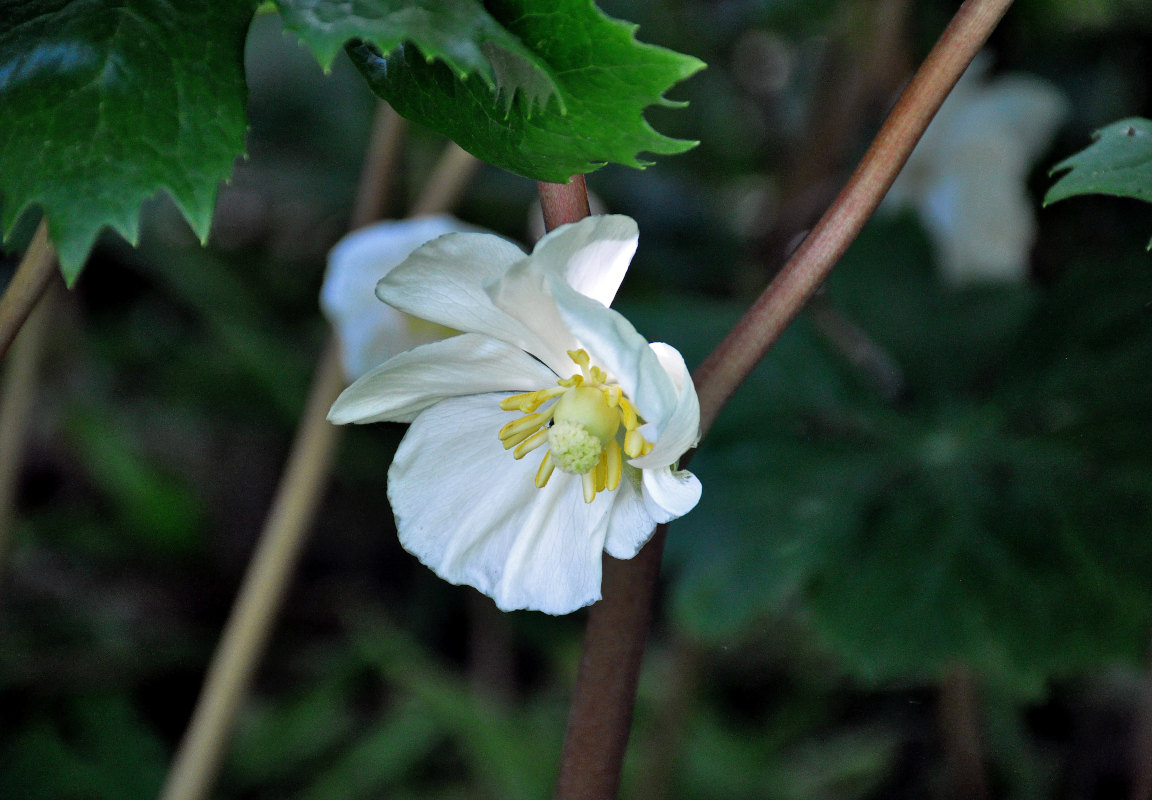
734, 358
27, 286
962, 731
297, 497
605, 691
1141, 753
262, 593
447, 181
17, 399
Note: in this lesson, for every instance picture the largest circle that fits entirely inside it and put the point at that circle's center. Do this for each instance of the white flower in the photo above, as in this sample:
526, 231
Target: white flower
544, 435
370, 332
967, 176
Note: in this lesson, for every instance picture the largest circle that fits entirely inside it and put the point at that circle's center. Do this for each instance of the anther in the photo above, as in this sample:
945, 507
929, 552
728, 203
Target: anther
545, 471
633, 444
589, 484
614, 465
530, 444
518, 430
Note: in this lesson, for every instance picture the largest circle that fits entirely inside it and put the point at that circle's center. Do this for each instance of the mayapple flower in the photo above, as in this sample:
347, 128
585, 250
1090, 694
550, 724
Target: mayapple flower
370, 332
545, 434
967, 177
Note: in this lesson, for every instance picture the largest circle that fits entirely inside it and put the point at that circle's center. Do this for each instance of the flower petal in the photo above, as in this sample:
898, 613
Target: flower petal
682, 429
371, 332
669, 493
614, 344
472, 513
443, 282
525, 292
591, 255
403, 386
630, 525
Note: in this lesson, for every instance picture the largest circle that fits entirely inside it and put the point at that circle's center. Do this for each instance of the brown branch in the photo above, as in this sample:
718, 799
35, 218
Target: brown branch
735, 357
563, 202
600, 717
294, 506
603, 698
27, 286
961, 729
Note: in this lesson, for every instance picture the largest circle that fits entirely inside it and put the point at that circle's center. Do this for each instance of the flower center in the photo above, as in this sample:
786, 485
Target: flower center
582, 428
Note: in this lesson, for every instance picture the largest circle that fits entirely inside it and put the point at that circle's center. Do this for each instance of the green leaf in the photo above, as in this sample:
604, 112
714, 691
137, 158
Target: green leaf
459, 33
1118, 162
103, 751
604, 80
997, 516
106, 104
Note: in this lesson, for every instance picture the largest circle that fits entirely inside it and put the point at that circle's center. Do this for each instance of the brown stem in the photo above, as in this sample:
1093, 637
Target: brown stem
563, 202
285, 531
600, 718
1141, 754
17, 402
379, 168
27, 286
961, 730
735, 357
605, 691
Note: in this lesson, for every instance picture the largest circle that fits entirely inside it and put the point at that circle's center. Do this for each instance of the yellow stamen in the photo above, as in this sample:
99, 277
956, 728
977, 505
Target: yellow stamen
589, 484
518, 430
530, 401
600, 471
545, 471
613, 465
581, 358
633, 444
582, 429
530, 444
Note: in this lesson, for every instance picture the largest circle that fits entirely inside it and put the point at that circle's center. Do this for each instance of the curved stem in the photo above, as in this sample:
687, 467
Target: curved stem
27, 286
962, 731
297, 497
17, 398
562, 203
250, 624
601, 715
735, 357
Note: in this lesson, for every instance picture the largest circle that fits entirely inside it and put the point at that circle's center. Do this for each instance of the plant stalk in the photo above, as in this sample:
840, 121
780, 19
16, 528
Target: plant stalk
293, 508
735, 357
603, 698
27, 286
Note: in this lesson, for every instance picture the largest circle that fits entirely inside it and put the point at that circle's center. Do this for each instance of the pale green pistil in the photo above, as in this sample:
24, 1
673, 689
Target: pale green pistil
580, 428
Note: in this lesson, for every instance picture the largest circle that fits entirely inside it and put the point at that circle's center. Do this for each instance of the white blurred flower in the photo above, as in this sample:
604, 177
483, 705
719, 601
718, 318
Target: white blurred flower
369, 331
544, 367
967, 177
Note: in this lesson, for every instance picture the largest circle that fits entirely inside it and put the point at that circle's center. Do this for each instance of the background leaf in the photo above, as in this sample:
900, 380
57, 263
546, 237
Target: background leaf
459, 33
1118, 162
103, 106
604, 78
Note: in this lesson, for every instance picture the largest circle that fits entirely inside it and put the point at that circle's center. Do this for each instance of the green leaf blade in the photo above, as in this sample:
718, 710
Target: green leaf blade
605, 80
104, 107
1118, 163
460, 34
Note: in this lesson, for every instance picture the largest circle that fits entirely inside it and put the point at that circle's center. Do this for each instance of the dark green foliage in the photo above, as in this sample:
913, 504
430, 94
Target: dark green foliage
106, 105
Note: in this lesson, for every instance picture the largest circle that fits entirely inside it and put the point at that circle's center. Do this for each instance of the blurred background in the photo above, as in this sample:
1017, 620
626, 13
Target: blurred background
922, 565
